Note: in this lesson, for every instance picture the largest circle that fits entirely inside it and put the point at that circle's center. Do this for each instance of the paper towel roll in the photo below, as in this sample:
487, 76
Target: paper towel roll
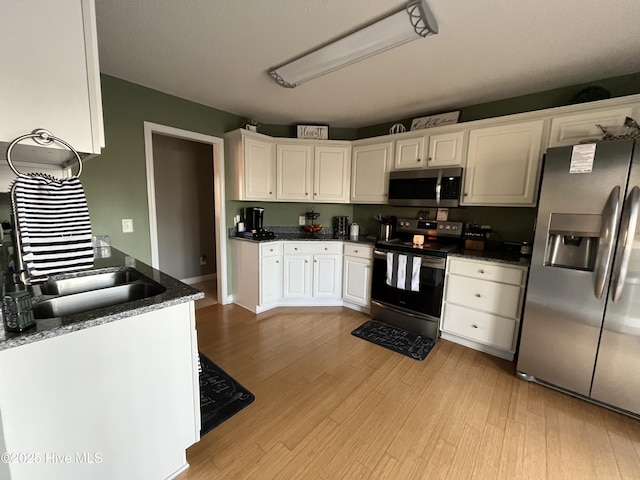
354, 231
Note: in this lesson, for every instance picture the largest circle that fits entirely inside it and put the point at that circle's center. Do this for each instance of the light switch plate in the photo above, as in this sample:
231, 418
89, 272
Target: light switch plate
127, 225
301, 220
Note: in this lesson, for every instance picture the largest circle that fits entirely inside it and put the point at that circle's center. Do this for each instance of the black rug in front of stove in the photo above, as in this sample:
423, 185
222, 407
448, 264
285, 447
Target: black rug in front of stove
221, 396
400, 341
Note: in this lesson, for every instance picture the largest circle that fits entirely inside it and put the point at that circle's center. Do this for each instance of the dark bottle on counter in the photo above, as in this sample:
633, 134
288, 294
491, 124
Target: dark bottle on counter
17, 309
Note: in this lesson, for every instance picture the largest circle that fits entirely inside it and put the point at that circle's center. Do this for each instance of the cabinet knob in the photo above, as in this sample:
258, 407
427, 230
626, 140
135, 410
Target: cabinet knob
314, 193
277, 261
271, 249
315, 261
419, 160
295, 248
355, 251
466, 194
478, 295
474, 325
481, 271
326, 248
270, 193
306, 193
430, 158
306, 261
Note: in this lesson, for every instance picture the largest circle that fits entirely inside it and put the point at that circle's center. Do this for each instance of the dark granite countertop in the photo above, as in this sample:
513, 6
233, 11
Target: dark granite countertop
296, 237
497, 256
111, 259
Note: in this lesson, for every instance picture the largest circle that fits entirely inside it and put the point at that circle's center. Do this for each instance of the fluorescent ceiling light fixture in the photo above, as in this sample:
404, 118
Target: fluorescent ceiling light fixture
414, 21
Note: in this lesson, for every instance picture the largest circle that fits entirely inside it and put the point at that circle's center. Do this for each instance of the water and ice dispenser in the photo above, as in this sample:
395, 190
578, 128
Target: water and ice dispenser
573, 241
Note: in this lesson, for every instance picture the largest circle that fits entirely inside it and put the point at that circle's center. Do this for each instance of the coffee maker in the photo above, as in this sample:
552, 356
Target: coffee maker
254, 216
253, 220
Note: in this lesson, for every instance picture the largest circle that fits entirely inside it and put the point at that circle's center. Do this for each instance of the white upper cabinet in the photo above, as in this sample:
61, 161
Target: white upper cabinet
332, 171
579, 127
50, 77
409, 153
313, 172
370, 166
446, 150
294, 171
503, 165
253, 166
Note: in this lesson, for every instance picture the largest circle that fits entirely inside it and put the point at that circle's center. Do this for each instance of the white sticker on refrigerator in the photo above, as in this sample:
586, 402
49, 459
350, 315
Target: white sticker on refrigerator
582, 158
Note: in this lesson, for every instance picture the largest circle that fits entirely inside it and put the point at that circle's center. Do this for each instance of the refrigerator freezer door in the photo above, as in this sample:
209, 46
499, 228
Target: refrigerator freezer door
617, 375
563, 316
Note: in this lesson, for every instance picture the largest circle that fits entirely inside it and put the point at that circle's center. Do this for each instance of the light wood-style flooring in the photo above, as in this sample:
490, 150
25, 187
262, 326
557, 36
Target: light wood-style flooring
210, 290
331, 406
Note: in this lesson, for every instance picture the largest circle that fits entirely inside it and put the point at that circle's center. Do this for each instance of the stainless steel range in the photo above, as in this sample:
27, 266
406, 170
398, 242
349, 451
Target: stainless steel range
408, 274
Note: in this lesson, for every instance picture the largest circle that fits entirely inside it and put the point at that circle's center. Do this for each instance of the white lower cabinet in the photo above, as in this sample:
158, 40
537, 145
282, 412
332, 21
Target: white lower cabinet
270, 274
356, 282
483, 304
312, 271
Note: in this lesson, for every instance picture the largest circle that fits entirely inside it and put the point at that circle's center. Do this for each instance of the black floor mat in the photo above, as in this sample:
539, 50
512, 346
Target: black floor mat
399, 341
221, 396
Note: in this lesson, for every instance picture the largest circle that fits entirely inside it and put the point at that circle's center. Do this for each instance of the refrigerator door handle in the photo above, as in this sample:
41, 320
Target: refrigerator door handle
607, 233
625, 241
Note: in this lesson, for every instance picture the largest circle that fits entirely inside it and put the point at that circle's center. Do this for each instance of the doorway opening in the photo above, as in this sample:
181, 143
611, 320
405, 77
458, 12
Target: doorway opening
185, 185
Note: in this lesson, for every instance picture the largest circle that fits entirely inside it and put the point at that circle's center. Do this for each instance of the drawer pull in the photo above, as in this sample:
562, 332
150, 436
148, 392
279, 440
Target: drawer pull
295, 248
478, 295
474, 325
271, 249
326, 248
480, 271
355, 251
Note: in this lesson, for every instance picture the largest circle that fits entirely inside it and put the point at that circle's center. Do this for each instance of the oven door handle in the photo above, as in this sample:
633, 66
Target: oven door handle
430, 262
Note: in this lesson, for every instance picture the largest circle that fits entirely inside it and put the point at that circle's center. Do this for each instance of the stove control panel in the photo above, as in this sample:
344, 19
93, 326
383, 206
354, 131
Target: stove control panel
431, 228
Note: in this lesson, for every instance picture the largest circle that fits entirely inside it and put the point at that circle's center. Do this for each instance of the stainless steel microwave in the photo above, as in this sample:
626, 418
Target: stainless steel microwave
426, 188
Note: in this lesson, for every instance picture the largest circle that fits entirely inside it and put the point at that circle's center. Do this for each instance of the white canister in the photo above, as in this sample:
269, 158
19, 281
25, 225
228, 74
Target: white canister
354, 232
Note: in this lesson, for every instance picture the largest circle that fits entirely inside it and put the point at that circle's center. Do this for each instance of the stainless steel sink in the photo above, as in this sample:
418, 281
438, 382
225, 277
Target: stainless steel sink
68, 286
67, 296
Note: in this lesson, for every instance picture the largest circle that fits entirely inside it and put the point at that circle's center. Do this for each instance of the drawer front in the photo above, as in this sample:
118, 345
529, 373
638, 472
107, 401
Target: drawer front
490, 297
293, 248
360, 251
486, 271
270, 249
480, 327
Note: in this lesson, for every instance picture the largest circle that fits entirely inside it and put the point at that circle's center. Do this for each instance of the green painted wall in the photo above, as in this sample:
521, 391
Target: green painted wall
286, 214
618, 86
115, 181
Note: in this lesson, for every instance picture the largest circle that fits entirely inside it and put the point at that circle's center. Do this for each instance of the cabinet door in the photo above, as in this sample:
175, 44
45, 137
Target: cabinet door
297, 276
357, 280
327, 276
408, 153
270, 280
446, 150
578, 127
50, 77
259, 169
370, 173
503, 165
294, 171
332, 168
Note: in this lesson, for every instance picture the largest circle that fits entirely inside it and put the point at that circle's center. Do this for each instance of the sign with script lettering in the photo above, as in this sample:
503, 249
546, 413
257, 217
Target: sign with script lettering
435, 120
313, 132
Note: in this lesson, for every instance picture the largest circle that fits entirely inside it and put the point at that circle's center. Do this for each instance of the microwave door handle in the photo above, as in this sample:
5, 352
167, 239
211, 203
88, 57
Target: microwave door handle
607, 232
438, 187
625, 241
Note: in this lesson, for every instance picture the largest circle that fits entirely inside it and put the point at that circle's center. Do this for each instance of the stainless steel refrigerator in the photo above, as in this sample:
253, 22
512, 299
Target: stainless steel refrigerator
581, 322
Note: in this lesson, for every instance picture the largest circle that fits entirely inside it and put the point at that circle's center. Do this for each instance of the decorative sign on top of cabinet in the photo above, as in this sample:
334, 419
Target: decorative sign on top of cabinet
54, 80
313, 172
503, 164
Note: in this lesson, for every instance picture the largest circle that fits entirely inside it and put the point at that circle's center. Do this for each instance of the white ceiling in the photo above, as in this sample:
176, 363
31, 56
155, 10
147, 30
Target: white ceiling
217, 53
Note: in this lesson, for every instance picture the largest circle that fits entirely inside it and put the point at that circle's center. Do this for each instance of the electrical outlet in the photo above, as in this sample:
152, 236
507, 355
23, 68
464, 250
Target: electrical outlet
301, 220
127, 225
129, 261
203, 259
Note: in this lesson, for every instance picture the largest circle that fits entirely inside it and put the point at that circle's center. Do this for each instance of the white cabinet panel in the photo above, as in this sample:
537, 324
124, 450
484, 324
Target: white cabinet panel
332, 169
482, 327
503, 165
258, 169
327, 275
297, 276
487, 271
579, 127
357, 280
370, 173
270, 280
50, 76
294, 171
446, 150
491, 297
409, 153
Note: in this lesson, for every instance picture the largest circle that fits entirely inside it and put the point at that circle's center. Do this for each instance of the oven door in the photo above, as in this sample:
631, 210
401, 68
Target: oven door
427, 301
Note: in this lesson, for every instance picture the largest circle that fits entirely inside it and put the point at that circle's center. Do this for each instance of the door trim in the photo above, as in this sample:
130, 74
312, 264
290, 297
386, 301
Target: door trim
218, 190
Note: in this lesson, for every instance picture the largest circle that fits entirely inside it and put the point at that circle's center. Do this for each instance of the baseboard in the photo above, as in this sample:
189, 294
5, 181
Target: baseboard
201, 278
354, 306
478, 346
178, 471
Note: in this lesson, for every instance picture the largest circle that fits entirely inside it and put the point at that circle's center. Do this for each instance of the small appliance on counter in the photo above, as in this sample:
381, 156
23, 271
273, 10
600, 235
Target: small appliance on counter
340, 227
254, 218
474, 237
387, 228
